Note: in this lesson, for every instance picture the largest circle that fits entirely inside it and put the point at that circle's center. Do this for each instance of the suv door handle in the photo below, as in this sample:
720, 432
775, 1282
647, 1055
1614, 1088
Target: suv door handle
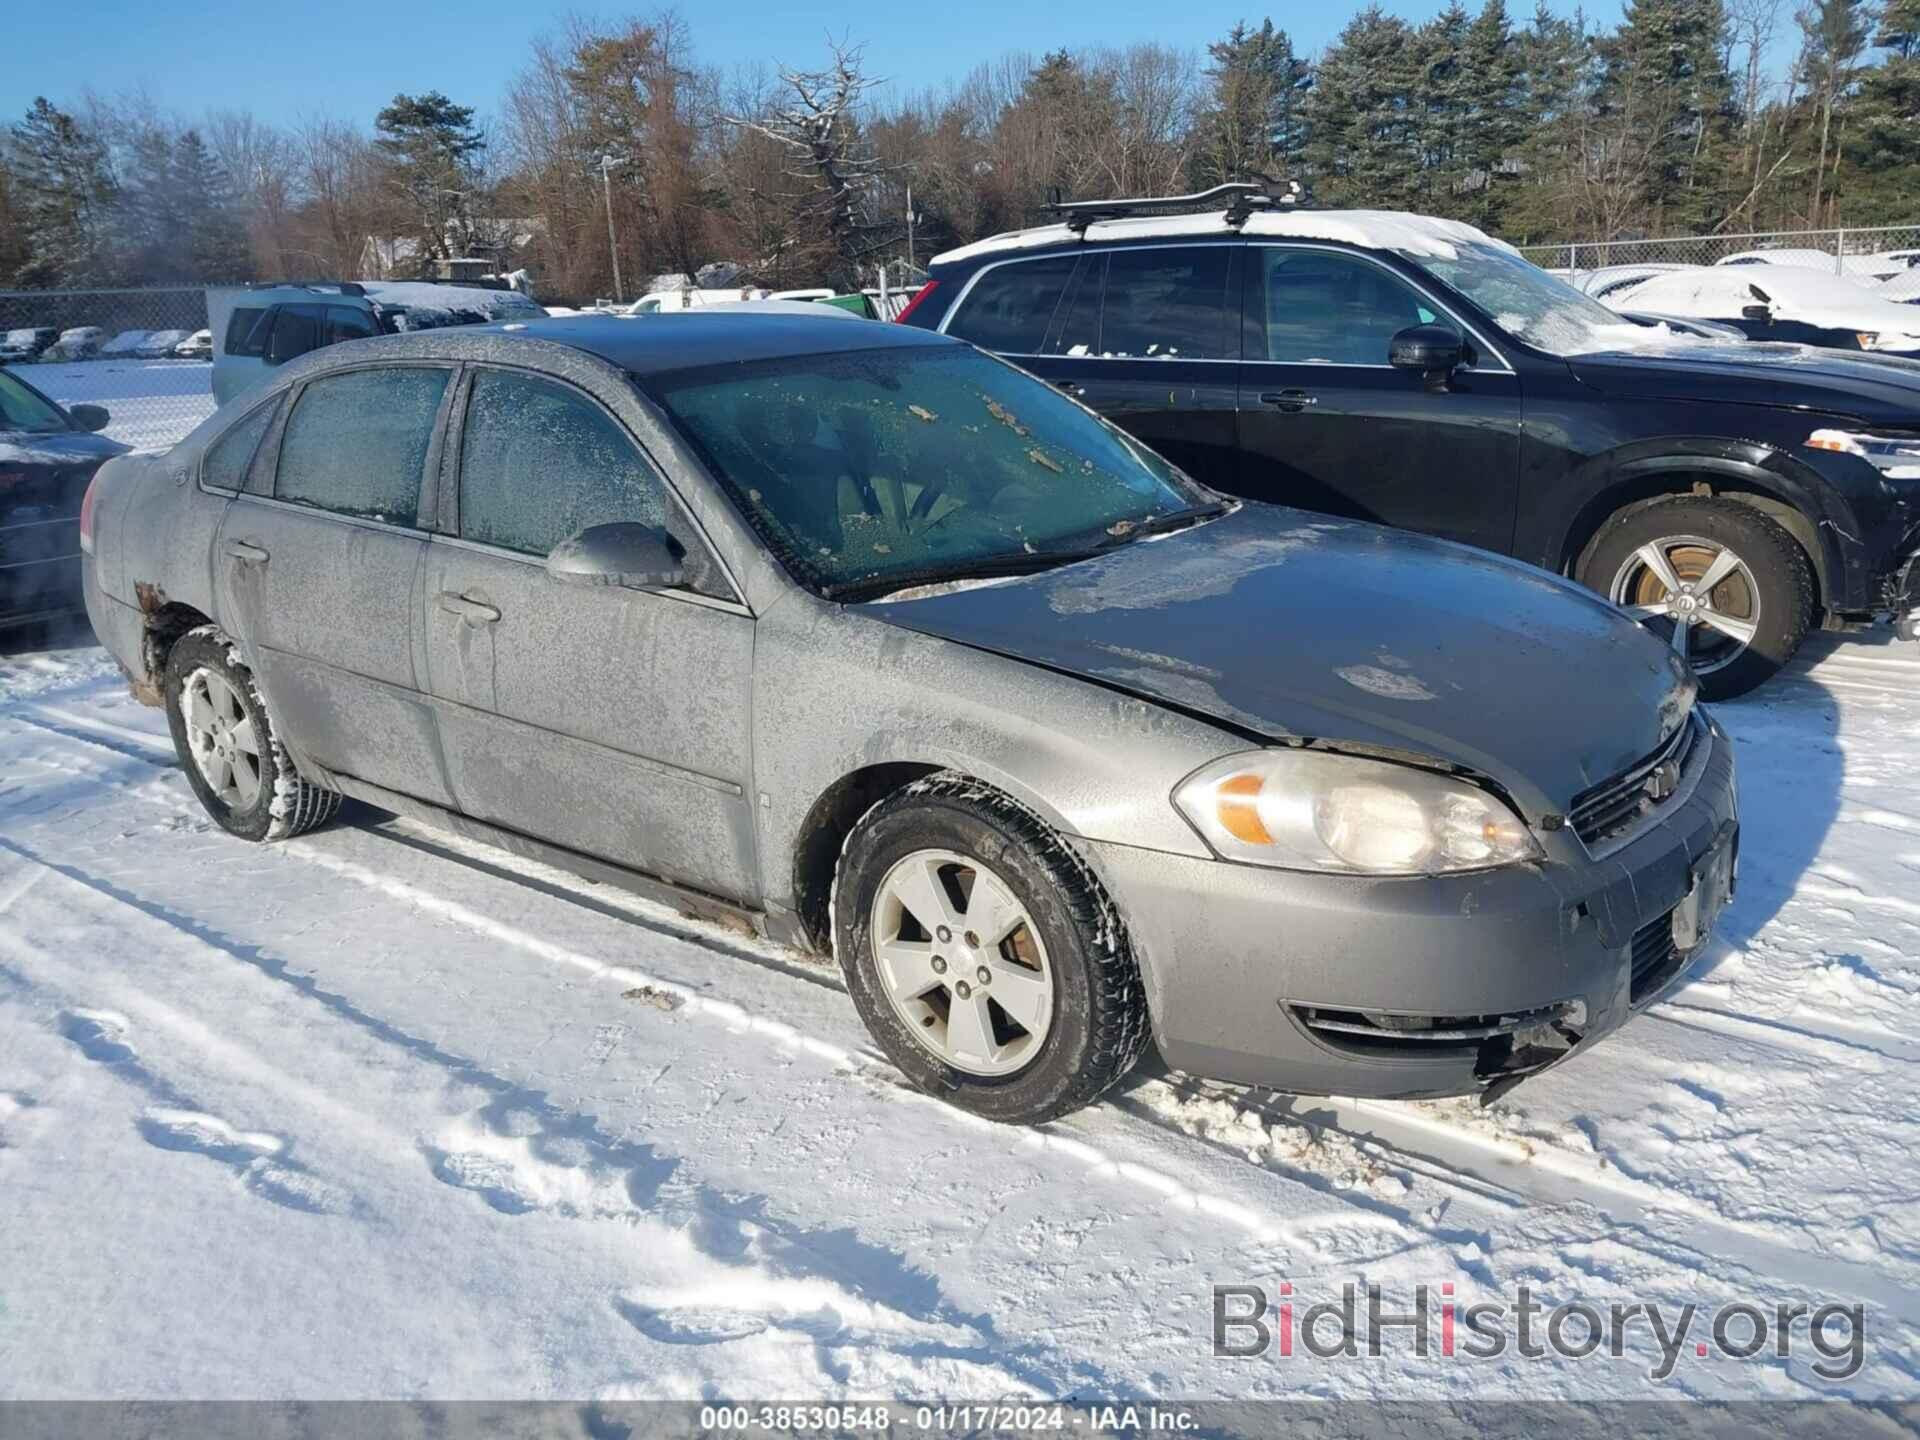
243, 552
474, 612
1288, 399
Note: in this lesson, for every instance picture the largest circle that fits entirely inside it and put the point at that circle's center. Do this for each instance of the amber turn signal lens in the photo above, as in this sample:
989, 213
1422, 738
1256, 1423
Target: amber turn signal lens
1238, 803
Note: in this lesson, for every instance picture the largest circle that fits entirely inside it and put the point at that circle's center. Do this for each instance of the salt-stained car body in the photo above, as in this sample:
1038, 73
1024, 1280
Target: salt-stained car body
47, 457
865, 639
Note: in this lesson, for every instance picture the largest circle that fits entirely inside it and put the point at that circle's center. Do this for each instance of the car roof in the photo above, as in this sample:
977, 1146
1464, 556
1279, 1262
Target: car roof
658, 344
1363, 229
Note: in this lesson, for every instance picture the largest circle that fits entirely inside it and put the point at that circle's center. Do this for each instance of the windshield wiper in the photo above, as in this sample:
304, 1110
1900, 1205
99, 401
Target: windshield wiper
985, 568
1160, 524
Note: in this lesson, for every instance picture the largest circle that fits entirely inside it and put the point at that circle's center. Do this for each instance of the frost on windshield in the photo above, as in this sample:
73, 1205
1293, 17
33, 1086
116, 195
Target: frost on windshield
1541, 309
861, 466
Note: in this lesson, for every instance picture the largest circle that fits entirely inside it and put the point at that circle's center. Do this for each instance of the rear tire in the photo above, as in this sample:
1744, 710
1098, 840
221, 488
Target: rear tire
1740, 630
227, 746
978, 843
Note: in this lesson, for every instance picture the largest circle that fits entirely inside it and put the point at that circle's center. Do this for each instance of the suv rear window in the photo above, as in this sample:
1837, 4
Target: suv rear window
1010, 307
245, 334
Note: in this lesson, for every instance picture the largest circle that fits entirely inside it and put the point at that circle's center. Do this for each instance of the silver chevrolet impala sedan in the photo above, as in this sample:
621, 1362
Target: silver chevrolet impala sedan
866, 639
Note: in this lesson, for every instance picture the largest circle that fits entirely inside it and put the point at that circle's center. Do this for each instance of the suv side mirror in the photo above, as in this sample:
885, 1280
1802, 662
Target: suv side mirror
626, 553
1433, 350
89, 417
1761, 314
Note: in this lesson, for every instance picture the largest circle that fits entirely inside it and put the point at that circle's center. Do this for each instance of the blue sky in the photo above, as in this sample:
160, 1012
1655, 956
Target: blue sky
347, 58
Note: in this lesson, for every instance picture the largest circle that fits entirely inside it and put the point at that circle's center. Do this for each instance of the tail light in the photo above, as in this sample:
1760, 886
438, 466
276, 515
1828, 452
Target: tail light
914, 304
86, 515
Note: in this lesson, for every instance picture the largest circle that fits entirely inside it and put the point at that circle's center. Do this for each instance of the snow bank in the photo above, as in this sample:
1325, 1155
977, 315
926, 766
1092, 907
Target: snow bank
1373, 229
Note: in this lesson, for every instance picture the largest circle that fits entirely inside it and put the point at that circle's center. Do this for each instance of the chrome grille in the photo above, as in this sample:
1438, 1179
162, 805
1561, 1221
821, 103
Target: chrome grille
1610, 809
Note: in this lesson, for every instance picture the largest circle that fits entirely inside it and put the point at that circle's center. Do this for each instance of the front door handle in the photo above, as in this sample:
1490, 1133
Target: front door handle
243, 552
474, 612
1292, 400
1072, 387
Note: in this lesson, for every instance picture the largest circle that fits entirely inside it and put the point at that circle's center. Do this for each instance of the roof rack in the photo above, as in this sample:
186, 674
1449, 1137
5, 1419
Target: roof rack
1242, 198
344, 287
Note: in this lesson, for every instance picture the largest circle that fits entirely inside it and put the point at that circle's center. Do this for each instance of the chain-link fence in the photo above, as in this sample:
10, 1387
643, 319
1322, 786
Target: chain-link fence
1885, 256
143, 354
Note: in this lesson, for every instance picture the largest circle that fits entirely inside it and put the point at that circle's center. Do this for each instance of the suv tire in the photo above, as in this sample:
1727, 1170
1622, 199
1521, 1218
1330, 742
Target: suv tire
919, 876
227, 745
1767, 595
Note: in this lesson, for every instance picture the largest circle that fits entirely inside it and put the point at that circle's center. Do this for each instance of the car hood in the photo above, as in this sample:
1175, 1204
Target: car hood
60, 447
1288, 625
1880, 388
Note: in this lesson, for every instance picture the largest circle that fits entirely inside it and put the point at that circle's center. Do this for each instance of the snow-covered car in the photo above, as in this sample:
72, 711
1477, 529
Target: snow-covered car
1781, 302
160, 344
863, 639
259, 328
197, 346
26, 343
82, 342
1612, 281
125, 343
1684, 325
1868, 268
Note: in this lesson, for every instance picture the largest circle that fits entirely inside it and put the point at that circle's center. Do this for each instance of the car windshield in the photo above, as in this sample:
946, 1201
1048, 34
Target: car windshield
22, 411
880, 469
1524, 300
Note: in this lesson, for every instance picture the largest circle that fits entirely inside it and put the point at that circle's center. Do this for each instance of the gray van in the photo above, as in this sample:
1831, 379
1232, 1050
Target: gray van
257, 328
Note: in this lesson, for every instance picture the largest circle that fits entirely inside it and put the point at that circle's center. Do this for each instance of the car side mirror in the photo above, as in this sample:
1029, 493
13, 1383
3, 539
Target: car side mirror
89, 417
625, 553
1760, 313
1432, 350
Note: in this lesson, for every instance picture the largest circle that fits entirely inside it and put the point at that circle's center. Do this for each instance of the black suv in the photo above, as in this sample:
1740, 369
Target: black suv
1418, 373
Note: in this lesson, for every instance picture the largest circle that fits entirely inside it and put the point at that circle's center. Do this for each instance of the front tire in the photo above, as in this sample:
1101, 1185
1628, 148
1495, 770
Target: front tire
983, 955
226, 743
1725, 586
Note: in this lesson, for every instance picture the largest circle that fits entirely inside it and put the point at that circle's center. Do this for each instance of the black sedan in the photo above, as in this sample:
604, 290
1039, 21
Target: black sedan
47, 457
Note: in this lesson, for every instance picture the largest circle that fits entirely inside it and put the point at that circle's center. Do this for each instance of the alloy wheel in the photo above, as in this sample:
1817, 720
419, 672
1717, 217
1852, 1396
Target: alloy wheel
962, 963
222, 740
1696, 594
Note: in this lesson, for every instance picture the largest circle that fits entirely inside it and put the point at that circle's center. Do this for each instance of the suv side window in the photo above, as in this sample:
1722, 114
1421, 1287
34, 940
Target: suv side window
356, 444
1325, 308
245, 334
296, 330
540, 462
228, 458
1010, 308
1169, 304
346, 323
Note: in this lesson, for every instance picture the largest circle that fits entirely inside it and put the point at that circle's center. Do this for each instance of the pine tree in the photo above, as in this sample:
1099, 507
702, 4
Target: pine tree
1882, 144
1663, 113
1834, 37
215, 243
432, 150
64, 196
1252, 123
1440, 108
1361, 147
1496, 125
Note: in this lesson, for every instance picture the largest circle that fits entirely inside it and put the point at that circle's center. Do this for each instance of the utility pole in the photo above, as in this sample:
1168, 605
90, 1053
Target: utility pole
607, 164
910, 264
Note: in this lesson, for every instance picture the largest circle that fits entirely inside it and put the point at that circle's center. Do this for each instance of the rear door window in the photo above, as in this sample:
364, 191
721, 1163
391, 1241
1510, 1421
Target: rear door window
228, 459
1010, 308
346, 323
1169, 304
356, 444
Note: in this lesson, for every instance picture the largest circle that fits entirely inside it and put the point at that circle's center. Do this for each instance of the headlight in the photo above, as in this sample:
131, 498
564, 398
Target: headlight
1309, 810
1896, 458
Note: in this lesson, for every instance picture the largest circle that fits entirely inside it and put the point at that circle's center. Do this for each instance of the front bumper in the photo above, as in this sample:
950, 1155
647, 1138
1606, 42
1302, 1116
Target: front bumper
1906, 598
1414, 987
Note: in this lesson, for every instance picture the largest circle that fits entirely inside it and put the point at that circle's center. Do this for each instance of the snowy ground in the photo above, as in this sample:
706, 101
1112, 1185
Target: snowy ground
378, 1113
152, 402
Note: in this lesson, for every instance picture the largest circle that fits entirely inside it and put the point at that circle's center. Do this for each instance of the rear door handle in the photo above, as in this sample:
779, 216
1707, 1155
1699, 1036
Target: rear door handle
474, 612
1288, 399
243, 552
